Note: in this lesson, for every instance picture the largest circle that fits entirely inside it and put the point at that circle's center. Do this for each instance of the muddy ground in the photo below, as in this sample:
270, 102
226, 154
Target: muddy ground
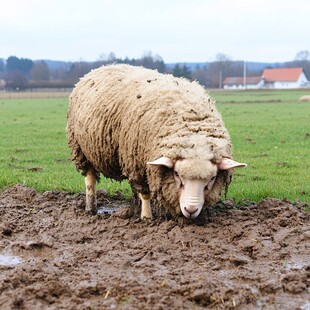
54, 256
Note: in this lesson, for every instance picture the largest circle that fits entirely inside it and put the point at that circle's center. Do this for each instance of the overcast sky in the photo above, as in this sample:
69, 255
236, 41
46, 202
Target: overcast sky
177, 30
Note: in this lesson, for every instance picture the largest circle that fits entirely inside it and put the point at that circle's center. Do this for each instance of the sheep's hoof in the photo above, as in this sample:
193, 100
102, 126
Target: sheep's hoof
91, 205
146, 217
91, 210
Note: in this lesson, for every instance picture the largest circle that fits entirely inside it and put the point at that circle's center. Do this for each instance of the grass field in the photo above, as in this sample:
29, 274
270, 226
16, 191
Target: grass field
270, 131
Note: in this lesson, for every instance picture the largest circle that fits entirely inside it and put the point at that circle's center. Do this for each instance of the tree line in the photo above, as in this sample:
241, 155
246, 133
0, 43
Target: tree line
23, 73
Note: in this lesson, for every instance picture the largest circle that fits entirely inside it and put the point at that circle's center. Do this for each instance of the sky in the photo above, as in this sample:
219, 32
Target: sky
176, 30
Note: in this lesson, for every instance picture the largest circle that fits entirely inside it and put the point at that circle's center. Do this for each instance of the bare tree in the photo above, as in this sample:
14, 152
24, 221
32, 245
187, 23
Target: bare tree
78, 69
200, 74
218, 70
40, 71
16, 80
220, 57
302, 60
303, 55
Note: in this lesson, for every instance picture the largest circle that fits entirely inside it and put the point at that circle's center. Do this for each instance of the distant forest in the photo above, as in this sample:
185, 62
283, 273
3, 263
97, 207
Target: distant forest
22, 73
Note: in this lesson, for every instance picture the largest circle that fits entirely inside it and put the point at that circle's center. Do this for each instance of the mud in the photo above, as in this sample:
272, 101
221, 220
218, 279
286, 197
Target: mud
54, 256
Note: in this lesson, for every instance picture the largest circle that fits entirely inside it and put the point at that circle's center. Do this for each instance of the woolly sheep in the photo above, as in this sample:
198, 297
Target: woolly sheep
160, 132
305, 98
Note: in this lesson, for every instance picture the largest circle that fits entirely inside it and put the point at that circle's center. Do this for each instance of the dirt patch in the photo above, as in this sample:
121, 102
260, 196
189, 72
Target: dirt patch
256, 257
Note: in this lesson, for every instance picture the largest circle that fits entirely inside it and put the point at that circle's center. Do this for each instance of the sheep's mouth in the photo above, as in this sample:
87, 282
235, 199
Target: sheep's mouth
192, 214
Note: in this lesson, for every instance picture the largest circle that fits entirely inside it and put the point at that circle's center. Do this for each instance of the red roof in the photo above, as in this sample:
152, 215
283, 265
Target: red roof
282, 74
240, 81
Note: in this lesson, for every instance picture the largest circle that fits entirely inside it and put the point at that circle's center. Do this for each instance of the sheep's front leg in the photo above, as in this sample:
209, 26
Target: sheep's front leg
146, 212
90, 185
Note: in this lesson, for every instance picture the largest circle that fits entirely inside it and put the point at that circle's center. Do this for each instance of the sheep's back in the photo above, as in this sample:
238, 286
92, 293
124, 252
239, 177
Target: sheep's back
94, 117
122, 116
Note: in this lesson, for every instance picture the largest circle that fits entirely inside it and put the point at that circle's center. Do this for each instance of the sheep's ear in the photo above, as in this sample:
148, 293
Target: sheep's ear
162, 161
227, 163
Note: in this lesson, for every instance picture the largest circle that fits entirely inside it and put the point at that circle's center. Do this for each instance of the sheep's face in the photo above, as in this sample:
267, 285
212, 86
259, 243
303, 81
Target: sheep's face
194, 181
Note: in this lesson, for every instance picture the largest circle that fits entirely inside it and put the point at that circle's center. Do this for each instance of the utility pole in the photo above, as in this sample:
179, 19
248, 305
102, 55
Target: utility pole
244, 74
220, 79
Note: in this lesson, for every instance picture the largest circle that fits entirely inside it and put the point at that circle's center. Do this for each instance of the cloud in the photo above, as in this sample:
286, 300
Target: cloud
180, 30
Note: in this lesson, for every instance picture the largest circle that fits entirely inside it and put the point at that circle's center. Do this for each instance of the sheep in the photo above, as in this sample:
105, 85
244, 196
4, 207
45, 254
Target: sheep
160, 132
305, 98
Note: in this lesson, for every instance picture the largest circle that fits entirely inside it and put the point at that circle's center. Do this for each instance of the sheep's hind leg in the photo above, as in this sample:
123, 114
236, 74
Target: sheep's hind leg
146, 212
90, 184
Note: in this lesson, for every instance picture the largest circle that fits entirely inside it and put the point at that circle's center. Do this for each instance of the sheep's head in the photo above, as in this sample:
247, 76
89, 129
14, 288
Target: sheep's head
195, 180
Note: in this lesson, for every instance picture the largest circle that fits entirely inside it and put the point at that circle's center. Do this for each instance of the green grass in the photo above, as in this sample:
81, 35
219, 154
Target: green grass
33, 147
273, 137
270, 131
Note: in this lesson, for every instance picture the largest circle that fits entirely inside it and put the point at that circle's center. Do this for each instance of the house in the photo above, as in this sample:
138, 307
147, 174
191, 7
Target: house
238, 82
279, 78
284, 78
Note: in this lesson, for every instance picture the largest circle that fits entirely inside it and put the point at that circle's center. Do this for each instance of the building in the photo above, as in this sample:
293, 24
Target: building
280, 78
238, 82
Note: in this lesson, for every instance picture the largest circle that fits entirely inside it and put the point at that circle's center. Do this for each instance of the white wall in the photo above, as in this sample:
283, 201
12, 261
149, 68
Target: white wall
241, 86
302, 81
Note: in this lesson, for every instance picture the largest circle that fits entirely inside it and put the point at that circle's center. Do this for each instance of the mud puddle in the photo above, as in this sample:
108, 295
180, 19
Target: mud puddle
254, 258
110, 209
9, 260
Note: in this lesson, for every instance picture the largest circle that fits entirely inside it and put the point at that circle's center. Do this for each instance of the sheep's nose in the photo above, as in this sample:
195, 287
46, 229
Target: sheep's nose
190, 210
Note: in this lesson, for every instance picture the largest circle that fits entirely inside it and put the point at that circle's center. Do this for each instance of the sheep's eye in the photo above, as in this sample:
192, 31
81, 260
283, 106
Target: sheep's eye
176, 173
207, 186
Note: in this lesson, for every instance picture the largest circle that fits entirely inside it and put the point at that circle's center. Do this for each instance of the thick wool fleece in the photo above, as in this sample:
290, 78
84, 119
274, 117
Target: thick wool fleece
121, 117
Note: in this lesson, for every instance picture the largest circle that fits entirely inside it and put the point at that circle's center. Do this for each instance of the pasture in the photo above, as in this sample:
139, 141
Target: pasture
270, 131
56, 256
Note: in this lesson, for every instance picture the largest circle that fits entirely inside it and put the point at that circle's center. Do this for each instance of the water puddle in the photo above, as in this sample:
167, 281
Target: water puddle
108, 210
305, 306
297, 264
9, 260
